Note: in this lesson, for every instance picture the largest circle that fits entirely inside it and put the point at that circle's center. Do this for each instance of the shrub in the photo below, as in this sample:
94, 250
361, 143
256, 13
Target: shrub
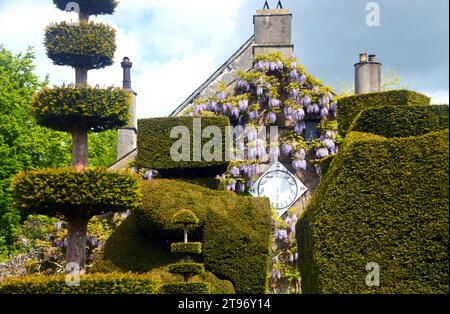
350, 107
68, 193
185, 288
402, 121
113, 283
185, 217
186, 248
82, 45
384, 201
187, 269
86, 108
235, 249
154, 144
90, 7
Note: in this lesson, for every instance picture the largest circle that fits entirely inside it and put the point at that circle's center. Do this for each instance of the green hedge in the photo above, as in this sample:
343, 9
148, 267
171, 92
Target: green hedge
154, 144
350, 107
82, 45
91, 7
188, 269
185, 288
113, 283
236, 249
67, 192
186, 248
384, 201
185, 217
87, 108
402, 121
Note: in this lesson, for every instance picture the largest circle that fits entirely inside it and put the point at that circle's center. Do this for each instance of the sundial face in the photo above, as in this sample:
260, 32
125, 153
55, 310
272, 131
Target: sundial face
281, 187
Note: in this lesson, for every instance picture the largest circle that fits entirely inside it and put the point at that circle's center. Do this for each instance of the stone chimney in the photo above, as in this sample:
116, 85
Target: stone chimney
273, 32
127, 136
367, 75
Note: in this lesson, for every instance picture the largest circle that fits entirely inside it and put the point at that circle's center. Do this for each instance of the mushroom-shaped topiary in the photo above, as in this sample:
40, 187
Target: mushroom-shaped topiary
88, 7
187, 218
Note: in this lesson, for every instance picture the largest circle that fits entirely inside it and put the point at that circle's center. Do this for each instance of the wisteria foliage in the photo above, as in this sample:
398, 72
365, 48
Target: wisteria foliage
277, 90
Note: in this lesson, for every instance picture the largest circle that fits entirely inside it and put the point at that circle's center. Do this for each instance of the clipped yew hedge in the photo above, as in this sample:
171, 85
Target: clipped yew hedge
185, 288
186, 248
187, 269
384, 201
81, 45
402, 121
154, 144
350, 107
235, 230
87, 108
113, 283
67, 192
90, 7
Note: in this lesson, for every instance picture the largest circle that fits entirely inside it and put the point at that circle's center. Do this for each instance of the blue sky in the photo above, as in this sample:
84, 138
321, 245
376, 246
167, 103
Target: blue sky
176, 44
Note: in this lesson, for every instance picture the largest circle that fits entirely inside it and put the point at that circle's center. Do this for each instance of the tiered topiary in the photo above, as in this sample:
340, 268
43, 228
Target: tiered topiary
187, 268
78, 194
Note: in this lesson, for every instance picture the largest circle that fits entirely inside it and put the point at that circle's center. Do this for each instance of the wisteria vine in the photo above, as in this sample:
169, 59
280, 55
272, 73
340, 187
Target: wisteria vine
277, 90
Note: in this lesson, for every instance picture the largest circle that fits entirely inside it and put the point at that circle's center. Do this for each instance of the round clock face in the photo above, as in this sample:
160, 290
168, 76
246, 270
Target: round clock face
280, 187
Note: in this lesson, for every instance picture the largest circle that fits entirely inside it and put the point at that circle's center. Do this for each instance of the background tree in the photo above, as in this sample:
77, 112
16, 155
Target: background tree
78, 194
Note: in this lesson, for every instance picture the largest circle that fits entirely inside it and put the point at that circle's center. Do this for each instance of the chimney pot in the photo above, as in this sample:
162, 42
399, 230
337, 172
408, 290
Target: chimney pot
363, 57
372, 58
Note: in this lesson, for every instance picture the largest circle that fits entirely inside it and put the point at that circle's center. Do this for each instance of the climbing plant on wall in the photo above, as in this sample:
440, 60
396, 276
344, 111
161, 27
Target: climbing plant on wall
277, 91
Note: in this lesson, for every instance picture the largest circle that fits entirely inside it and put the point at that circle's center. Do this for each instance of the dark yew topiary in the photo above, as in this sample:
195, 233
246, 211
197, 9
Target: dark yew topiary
75, 197
88, 7
85, 45
78, 194
84, 108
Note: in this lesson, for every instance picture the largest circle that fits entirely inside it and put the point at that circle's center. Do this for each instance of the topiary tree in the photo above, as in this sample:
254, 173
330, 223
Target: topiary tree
187, 218
78, 194
187, 268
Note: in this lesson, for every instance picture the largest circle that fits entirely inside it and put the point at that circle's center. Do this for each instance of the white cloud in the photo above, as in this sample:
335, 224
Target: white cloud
174, 44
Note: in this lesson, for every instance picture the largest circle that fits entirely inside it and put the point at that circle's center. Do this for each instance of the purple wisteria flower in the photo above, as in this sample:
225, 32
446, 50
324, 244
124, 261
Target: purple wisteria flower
300, 154
241, 187
324, 112
271, 117
286, 149
300, 127
212, 106
243, 104
253, 115
220, 96
329, 143
287, 111
234, 112
322, 152
231, 185
234, 171
259, 90
306, 101
252, 134
250, 183
301, 79
243, 85
299, 164
274, 103
281, 234
293, 75
294, 93
298, 114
